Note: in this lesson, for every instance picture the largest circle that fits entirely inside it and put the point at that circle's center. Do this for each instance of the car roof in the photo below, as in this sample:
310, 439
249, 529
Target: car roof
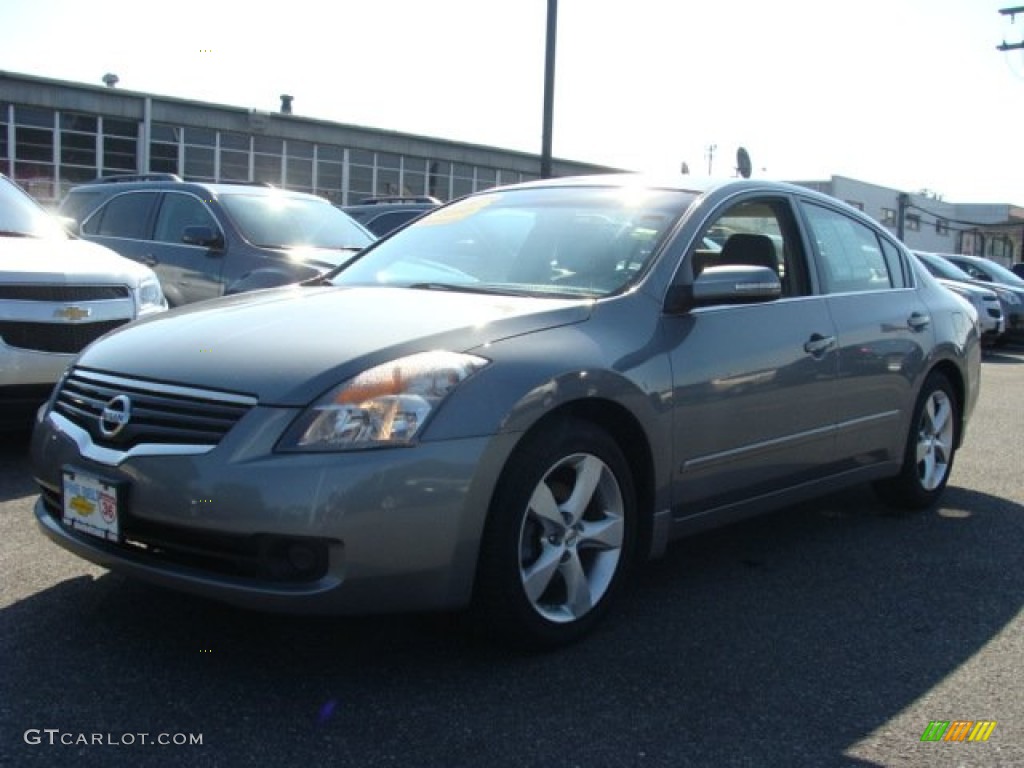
113, 187
694, 184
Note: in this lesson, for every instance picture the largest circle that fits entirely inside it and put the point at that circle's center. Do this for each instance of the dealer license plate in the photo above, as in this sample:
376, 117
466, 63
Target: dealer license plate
91, 505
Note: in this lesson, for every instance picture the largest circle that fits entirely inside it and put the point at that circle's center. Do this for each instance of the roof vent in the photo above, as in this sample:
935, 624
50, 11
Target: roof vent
110, 79
286, 104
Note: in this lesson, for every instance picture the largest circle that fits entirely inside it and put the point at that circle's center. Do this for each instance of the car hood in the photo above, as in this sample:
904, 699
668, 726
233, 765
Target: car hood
65, 262
287, 346
968, 289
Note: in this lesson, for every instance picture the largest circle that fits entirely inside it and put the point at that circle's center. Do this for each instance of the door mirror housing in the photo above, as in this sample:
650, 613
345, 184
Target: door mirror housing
202, 235
726, 285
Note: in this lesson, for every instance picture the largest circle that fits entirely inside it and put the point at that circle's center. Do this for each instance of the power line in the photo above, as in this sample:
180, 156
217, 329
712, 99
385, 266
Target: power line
1011, 12
962, 221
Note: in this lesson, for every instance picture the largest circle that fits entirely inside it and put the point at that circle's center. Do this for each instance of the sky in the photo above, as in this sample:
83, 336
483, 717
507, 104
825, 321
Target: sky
909, 94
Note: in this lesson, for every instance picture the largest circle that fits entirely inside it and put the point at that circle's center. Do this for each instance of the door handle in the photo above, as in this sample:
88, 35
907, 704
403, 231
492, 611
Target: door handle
818, 345
918, 321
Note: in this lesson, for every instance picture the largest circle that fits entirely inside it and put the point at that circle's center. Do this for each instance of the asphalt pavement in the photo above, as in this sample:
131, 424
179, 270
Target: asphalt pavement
829, 634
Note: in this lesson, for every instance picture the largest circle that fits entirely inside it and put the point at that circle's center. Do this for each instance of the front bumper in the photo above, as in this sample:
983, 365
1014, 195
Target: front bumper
396, 529
20, 368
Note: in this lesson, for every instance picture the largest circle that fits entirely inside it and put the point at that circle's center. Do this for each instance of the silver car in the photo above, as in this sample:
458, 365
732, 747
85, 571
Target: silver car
985, 300
510, 402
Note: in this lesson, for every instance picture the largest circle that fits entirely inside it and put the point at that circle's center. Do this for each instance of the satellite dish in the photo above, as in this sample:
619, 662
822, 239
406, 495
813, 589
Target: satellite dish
743, 167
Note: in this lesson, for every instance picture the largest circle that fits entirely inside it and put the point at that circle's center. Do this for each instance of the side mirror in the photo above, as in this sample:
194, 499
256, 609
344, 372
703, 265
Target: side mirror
726, 285
68, 223
202, 235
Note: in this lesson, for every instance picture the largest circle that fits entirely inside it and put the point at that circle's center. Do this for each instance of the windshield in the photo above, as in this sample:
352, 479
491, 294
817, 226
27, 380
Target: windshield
288, 221
939, 267
21, 216
575, 241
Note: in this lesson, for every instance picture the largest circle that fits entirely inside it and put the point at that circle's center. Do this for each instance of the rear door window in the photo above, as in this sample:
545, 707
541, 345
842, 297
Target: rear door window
126, 215
850, 256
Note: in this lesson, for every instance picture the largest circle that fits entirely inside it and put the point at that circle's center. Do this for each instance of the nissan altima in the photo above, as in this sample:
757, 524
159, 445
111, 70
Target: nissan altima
511, 402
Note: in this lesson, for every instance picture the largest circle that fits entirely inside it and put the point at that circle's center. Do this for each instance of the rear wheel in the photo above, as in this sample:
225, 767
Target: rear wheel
931, 447
559, 537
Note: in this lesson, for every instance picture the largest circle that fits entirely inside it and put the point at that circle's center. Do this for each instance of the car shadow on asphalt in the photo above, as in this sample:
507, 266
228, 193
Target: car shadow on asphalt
15, 476
783, 640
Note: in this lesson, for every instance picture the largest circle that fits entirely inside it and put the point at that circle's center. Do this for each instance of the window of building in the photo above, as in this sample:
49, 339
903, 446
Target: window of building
234, 156
267, 159
486, 178
389, 174
164, 148
462, 179
299, 165
971, 243
942, 227
4, 147
120, 141
913, 222
439, 182
33, 151
414, 176
1000, 249
360, 175
888, 217
200, 148
329, 176
853, 203
78, 140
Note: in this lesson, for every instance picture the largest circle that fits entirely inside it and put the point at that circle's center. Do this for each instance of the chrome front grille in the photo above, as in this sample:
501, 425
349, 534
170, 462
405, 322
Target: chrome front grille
157, 412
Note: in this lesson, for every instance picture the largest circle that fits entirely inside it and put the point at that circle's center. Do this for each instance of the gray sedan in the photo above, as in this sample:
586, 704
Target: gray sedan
512, 401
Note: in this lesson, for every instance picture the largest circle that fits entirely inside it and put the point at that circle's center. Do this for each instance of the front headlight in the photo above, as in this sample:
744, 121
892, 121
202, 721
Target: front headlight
149, 296
385, 405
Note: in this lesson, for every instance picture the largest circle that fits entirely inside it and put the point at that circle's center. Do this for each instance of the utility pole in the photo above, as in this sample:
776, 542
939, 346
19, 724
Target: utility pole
903, 202
1011, 12
549, 90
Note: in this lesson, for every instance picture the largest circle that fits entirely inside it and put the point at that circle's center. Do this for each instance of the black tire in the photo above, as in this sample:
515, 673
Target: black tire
559, 538
930, 450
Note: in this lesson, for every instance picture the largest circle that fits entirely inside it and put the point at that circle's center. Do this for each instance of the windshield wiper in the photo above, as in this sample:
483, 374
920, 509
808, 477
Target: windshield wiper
467, 288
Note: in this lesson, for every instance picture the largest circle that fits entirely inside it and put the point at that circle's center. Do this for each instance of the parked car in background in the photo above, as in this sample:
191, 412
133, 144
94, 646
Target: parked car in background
382, 215
984, 299
1018, 269
206, 240
512, 400
997, 277
57, 294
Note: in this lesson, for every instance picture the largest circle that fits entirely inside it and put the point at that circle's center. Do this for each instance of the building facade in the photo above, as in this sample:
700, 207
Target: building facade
931, 224
56, 134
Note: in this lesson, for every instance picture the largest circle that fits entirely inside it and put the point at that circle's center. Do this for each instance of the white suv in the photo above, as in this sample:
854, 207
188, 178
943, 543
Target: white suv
57, 294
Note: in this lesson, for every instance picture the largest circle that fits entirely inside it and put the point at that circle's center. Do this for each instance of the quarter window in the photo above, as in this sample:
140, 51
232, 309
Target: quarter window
849, 253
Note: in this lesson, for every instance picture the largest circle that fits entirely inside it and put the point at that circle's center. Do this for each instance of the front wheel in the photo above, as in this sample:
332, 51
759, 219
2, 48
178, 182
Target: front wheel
931, 447
559, 537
